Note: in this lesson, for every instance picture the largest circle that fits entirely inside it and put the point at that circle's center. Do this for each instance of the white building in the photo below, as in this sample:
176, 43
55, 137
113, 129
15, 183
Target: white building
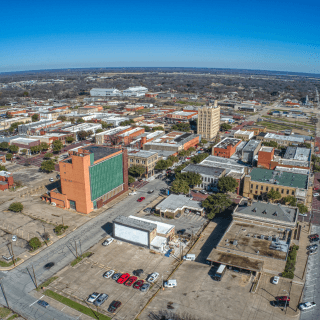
135, 91
100, 92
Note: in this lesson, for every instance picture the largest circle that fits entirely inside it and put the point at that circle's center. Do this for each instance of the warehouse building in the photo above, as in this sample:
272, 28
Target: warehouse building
146, 233
135, 92
100, 92
91, 177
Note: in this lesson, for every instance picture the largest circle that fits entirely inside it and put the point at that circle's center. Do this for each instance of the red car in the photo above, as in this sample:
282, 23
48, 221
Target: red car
141, 199
130, 281
283, 298
311, 236
138, 284
123, 278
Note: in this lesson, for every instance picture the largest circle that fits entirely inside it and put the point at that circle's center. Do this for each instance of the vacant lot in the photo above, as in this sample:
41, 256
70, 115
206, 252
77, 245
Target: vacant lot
86, 277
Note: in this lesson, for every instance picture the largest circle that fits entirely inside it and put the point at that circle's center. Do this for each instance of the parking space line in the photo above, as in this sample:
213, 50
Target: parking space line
36, 301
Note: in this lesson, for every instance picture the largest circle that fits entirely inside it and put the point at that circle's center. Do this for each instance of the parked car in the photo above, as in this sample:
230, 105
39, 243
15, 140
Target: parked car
314, 239
153, 277
170, 284
138, 272
141, 199
147, 210
132, 193
315, 235
49, 265
107, 241
151, 191
303, 214
114, 306
314, 251
123, 278
181, 231
316, 194
307, 306
108, 274
203, 192
93, 297
145, 287
43, 303
130, 281
275, 280
101, 299
51, 179
116, 276
14, 238
283, 298
280, 303
312, 247
138, 284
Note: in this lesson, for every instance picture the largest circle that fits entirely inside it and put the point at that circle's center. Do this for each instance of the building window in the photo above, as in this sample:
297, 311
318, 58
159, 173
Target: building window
252, 186
267, 188
257, 187
131, 160
292, 193
261, 187
277, 189
143, 162
137, 161
282, 190
251, 191
287, 191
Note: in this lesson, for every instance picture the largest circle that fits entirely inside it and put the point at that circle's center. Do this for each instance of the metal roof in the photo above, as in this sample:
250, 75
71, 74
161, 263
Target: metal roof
204, 170
135, 223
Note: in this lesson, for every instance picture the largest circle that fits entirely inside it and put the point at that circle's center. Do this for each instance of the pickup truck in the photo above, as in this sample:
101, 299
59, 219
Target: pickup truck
306, 306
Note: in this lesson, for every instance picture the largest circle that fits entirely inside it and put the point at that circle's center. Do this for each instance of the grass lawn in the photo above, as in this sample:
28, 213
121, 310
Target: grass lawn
75, 261
8, 264
46, 283
4, 312
75, 305
13, 317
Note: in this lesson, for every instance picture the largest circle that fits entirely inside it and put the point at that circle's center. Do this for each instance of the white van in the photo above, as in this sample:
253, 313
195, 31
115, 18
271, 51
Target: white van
170, 284
190, 257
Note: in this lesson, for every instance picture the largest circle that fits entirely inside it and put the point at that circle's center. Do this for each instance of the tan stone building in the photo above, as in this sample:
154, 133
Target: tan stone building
288, 181
209, 121
147, 159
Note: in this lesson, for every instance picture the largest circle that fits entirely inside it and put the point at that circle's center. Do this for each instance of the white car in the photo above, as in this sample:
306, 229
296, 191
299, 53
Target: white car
108, 274
132, 193
14, 238
316, 194
275, 280
303, 214
51, 179
107, 242
93, 297
306, 306
153, 277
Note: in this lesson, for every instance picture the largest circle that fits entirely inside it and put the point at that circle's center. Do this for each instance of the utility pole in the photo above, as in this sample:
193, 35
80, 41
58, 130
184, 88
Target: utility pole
5, 297
76, 248
14, 263
34, 275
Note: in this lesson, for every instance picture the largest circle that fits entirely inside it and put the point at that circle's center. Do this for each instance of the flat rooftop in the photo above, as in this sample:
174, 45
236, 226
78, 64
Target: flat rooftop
253, 239
251, 146
113, 131
266, 149
135, 223
291, 138
225, 163
279, 177
175, 202
296, 153
267, 210
100, 152
162, 228
227, 142
142, 153
205, 170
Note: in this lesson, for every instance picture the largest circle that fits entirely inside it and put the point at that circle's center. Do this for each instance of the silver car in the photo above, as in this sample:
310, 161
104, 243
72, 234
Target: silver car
153, 277
116, 276
145, 287
101, 299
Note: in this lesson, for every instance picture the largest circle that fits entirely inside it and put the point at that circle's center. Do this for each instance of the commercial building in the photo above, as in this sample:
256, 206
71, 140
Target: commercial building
175, 205
110, 136
173, 141
257, 239
139, 142
128, 136
6, 123
225, 163
25, 143
100, 92
226, 148
209, 121
146, 233
133, 108
181, 116
209, 175
250, 150
91, 177
243, 134
135, 92
294, 157
288, 181
280, 139
36, 127
115, 120
6, 180
75, 129
143, 158
89, 109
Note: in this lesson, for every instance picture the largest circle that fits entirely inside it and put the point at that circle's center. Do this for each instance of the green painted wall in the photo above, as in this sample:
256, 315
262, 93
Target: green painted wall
105, 176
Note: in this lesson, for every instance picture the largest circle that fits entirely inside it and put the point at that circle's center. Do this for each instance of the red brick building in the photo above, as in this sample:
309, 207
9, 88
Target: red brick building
226, 148
6, 180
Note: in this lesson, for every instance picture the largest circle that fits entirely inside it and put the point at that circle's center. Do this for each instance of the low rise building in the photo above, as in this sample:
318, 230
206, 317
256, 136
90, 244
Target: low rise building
128, 136
244, 134
250, 150
175, 205
6, 180
179, 116
226, 148
35, 127
110, 136
135, 92
6, 123
282, 140
100, 92
143, 158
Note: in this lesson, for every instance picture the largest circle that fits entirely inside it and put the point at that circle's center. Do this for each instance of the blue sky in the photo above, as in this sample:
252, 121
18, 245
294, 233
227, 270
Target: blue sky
268, 35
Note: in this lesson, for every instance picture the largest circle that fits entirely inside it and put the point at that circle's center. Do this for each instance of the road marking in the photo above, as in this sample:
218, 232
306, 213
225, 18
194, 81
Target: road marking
63, 308
35, 301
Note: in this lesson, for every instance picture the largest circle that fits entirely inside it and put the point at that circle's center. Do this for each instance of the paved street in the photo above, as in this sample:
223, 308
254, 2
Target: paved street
17, 284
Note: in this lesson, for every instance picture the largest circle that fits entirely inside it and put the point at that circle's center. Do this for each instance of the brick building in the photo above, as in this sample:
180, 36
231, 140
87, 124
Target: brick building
147, 159
91, 177
179, 116
6, 180
226, 148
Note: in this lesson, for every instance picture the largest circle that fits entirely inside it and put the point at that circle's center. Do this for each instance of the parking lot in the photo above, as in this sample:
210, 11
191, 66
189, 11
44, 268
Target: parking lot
87, 277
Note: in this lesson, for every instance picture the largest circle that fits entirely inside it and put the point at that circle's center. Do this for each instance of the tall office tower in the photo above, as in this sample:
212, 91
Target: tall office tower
209, 121
316, 100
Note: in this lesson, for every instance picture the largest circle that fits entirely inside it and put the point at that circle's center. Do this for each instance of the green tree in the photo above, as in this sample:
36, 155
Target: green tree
184, 153
126, 122
13, 148
69, 139
307, 145
159, 128
192, 149
48, 155
216, 204
26, 93
34, 243
35, 149
131, 179
191, 178
185, 127
227, 184
99, 130
4, 145
180, 186
290, 200
225, 127
44, 146
62, 118
24, 151
35, 117
82, 134
146, 128
16, 207
204, 141
137, 171
2, 168
270, 144
273, 194
198, 158
57, 145
173, 159
105, 125
47, 165
316, 168
181, 167
80, 120
162, 165
9, 156
302, 208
